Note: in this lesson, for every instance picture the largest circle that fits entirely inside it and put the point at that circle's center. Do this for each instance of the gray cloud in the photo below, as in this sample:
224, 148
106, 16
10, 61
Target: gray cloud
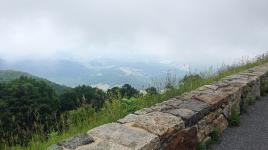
188, 31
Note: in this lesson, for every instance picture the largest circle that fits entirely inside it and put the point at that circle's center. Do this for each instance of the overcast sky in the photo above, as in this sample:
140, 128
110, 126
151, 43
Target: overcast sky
188, 31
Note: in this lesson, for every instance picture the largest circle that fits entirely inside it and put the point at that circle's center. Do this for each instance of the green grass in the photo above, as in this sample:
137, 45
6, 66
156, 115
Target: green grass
214, 139
215, 136
234, 118
85, 118
264, 86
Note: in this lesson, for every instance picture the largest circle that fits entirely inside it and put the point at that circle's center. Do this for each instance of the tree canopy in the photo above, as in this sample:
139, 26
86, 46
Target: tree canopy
29, 105
26, 103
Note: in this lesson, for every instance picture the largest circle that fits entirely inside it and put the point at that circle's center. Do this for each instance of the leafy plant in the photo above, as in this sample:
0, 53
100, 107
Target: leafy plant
202, 146
234, 118
251, 100
215, 135
213, 138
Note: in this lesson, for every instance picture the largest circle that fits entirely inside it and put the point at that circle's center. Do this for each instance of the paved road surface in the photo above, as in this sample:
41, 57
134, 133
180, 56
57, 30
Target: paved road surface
252, 133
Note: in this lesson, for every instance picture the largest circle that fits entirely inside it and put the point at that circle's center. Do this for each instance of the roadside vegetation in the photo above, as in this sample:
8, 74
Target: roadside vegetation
214, 138
32, 108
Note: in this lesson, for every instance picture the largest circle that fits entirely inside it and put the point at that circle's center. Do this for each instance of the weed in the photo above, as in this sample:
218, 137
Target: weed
234, 118
251, 100
214, 138
215, 135
202, 146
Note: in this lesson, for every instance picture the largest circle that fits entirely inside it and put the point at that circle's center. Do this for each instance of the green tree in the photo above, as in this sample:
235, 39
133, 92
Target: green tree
114, 93
151, 91
127, 91
78, 96
191, 78
68, 100
27, 105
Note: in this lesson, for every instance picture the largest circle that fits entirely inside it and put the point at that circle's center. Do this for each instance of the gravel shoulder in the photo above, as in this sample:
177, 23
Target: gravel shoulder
252, 133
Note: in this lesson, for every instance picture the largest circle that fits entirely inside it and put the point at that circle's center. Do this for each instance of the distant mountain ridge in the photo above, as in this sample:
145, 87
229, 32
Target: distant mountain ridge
101, 73
8, 75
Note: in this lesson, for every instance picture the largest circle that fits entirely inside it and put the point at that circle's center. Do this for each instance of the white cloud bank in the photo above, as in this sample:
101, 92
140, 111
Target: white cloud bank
187, 31
127, 71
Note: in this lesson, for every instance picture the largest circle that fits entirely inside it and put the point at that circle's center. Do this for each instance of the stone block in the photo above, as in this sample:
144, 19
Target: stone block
251, 74
158, 123
55, 147
184, 140
220, 123
231, 109
236, 81
212, 87
234, 99
76, 141
132, 138
229, 90
210, 117
256, 91
128, 118
174, 102
184, 113
103, 145
213, 100
143, 111
206, 126
161, 107
195, 105
221, 84
191, 111
190, 117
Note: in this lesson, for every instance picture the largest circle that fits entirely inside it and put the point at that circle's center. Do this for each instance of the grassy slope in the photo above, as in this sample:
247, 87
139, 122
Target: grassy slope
83, 119
8, 75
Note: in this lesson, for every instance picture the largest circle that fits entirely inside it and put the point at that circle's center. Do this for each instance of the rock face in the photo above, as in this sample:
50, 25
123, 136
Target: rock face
186, 139
158, 123
179, 123
73, 142
214, 120
76, 141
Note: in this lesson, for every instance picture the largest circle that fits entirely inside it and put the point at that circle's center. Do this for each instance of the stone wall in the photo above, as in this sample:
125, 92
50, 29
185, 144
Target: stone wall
179, 123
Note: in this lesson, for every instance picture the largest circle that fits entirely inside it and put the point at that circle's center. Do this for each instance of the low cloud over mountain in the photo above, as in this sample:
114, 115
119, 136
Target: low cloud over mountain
101, 73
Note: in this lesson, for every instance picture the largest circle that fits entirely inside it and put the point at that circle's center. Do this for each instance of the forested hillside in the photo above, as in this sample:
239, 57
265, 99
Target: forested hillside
26, 105
30, 105
8, 75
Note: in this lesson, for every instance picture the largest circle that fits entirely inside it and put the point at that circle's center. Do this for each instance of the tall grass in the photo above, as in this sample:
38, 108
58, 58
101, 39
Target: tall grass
86, 118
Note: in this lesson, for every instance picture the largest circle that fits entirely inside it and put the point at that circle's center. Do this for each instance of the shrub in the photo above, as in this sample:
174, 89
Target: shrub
243, 107
201, 146
234, 119
251, 100
214, 139
215, 135
264, 85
